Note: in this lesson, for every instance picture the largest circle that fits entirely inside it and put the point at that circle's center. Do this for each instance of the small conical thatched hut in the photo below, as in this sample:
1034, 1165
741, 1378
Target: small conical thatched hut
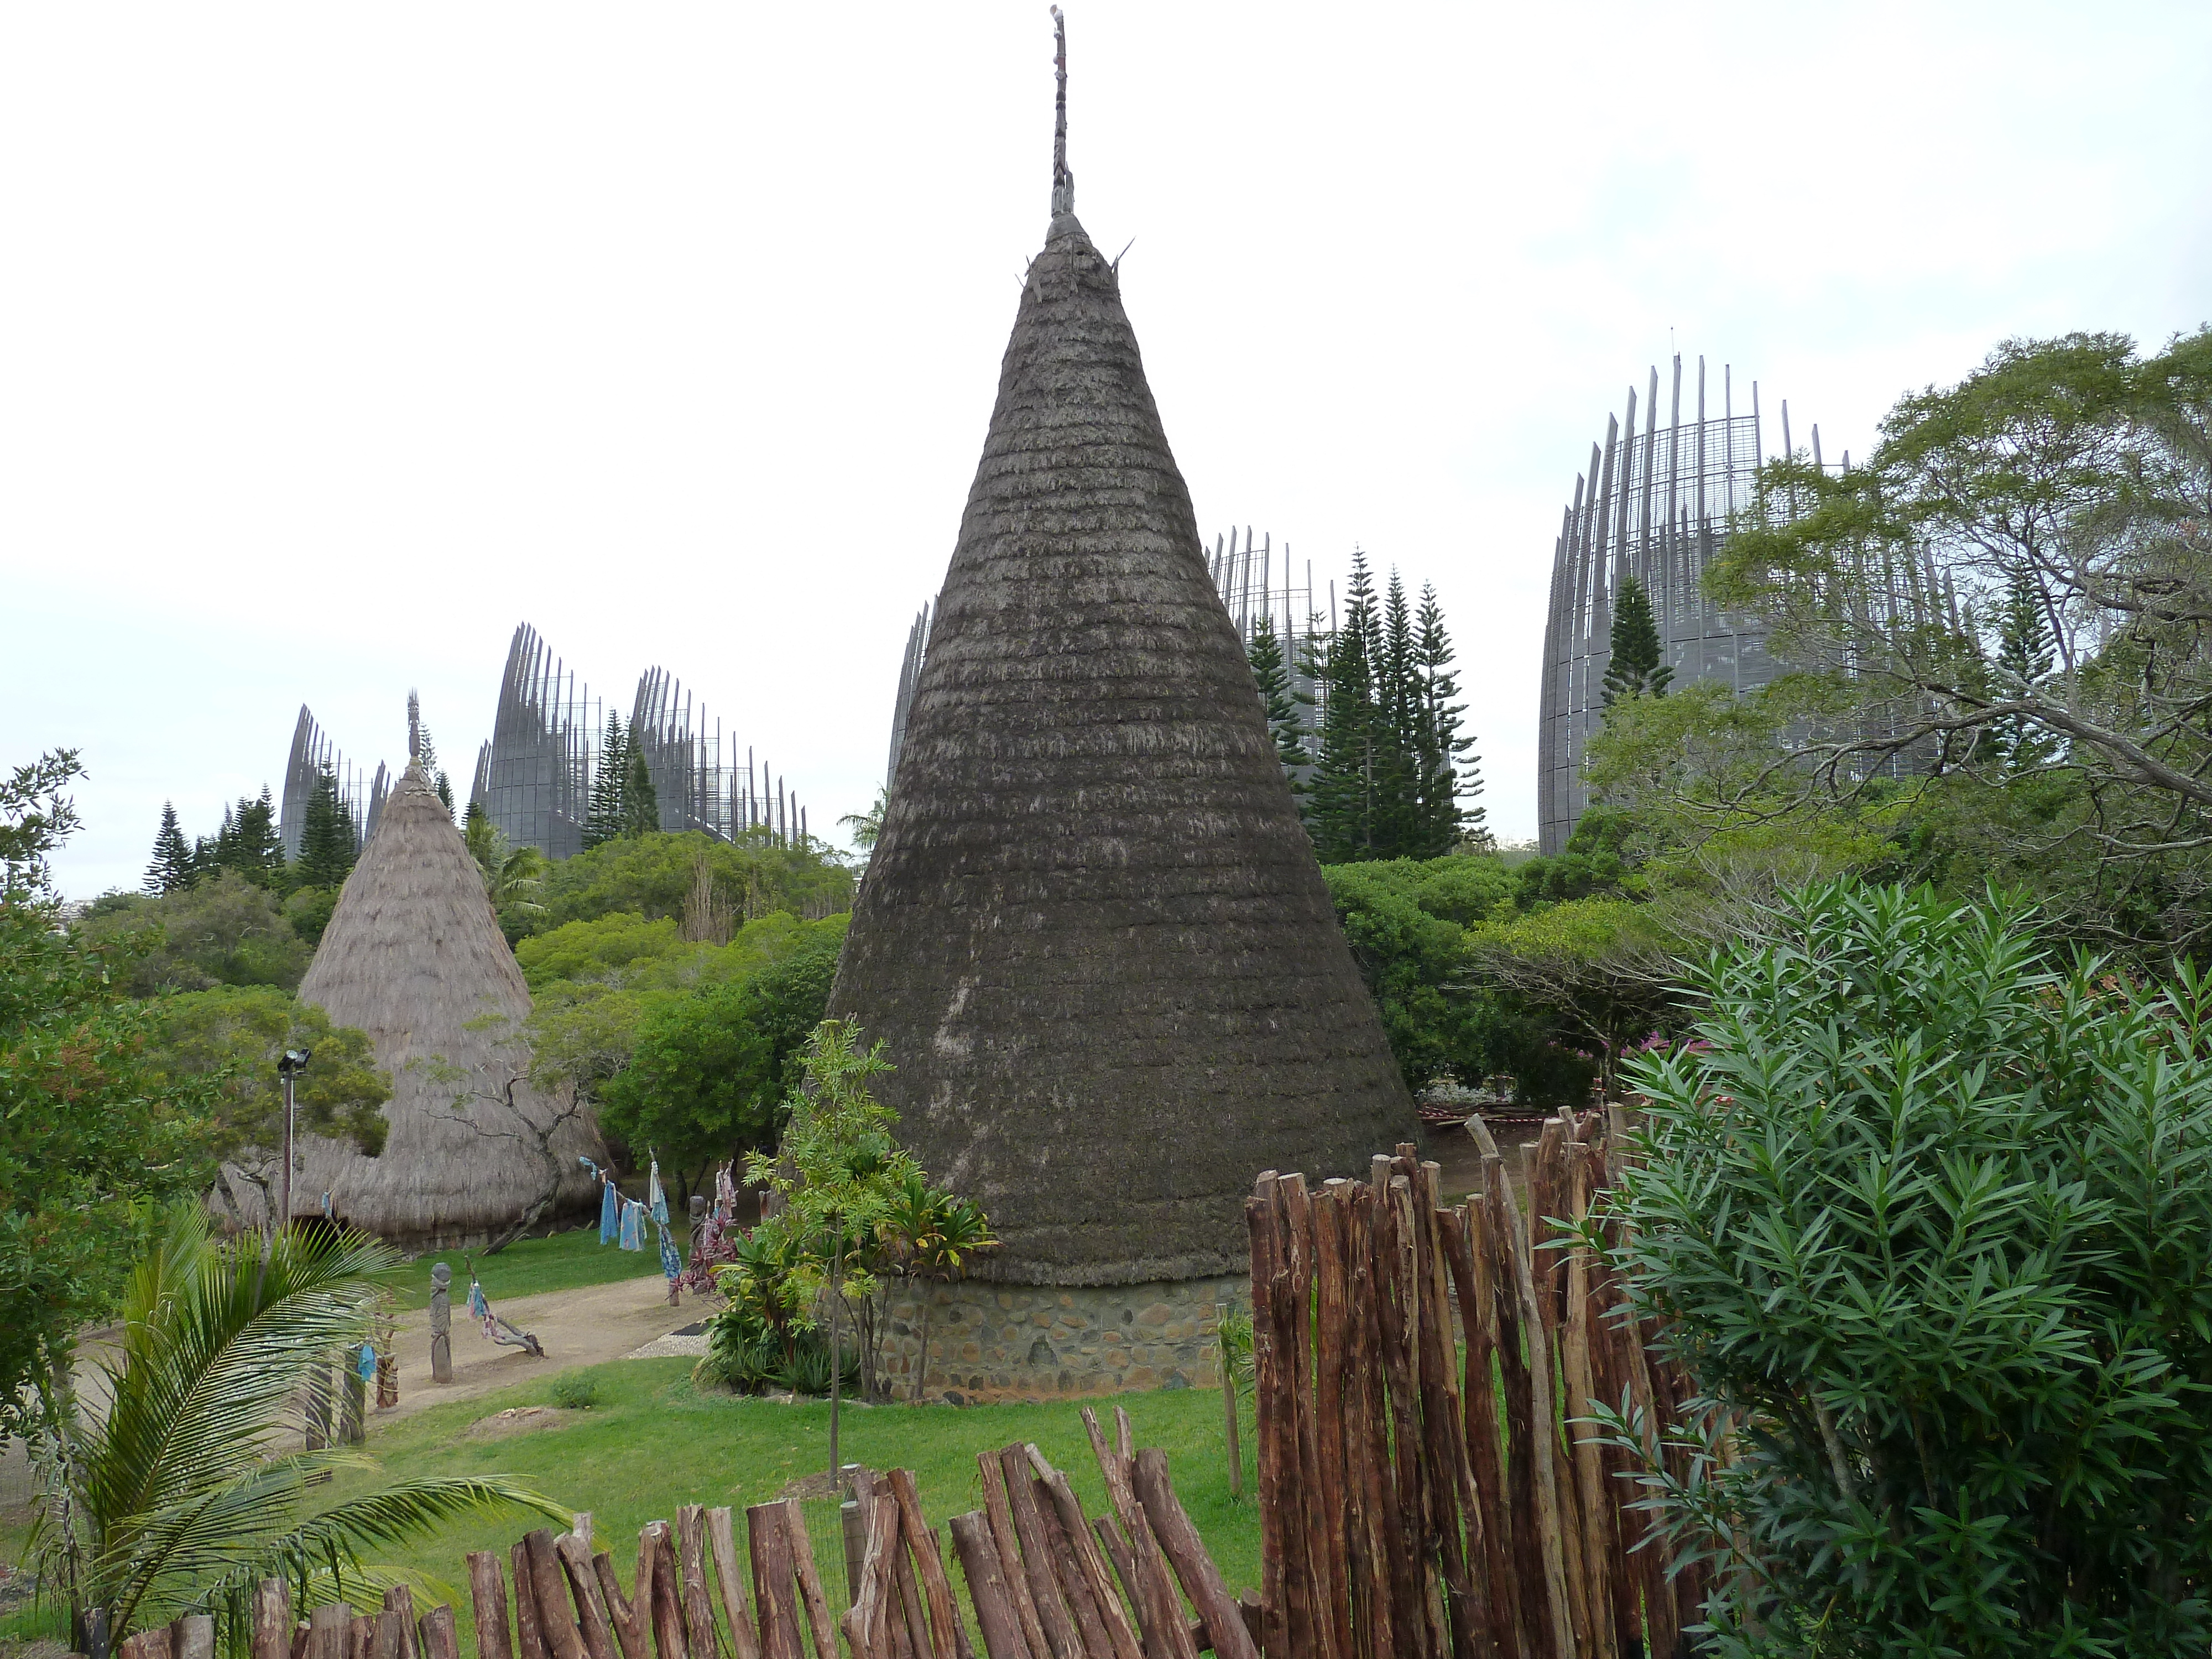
1093, 937
413, 956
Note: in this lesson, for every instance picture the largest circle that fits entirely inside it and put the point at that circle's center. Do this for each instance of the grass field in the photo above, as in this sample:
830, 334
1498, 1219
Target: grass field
654, 1442
565, 1262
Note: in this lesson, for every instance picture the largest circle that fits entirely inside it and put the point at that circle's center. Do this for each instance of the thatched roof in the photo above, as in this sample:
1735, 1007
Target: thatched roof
1093, 936
413, 956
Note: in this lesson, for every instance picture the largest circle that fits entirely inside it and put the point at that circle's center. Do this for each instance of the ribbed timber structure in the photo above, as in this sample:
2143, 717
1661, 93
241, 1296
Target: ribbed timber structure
1656, 505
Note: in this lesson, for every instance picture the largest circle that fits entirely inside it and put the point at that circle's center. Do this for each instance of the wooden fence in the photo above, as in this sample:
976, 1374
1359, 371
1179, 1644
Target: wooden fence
1043, 1581
1419, 1498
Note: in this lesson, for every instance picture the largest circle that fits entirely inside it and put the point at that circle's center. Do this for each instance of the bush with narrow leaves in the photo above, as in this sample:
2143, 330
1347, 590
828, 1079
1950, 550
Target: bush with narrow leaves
1928, 1215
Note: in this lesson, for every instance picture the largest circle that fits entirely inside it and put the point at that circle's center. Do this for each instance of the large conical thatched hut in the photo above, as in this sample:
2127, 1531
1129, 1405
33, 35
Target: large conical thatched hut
1093, 936
413, 956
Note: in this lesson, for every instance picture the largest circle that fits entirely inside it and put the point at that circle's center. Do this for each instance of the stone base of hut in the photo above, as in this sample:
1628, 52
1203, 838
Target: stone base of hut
990, 1344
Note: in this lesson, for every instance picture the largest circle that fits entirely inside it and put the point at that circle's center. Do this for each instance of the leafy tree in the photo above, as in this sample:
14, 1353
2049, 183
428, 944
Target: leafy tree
1635, 665
223, 931
2071, 476
189, 1489
232, 1037
329, 843
653, 875
838, 1172
1414, 965
1285, 725
174, 867
930, 1234
1927, 1212
602, 947
708, 1072
307, 912
602, 816
641, 806
88, 1130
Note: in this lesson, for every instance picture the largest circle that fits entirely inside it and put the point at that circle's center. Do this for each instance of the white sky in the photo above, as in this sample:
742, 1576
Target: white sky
335, 341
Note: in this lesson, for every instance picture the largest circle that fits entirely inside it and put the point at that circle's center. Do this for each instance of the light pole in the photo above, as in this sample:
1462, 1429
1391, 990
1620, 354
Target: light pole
289, 1065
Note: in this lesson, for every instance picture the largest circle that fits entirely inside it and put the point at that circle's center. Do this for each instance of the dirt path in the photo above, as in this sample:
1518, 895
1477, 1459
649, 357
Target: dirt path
587, 1327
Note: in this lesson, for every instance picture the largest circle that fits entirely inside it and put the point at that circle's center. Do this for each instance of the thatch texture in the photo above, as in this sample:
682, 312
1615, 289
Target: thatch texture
1093, 936
413, 956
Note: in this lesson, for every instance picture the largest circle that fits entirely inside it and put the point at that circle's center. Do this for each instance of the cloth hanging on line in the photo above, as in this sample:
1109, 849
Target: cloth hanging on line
365, 1361
654, 1198
479, 1307
672, 1265
725, 1195
632, 1226
609, 1211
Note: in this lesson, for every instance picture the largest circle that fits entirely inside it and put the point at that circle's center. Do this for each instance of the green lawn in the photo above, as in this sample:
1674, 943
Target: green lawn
565, 1262
653, 1443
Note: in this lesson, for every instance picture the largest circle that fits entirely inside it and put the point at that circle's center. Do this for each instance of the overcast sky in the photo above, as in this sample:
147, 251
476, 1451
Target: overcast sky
335, 341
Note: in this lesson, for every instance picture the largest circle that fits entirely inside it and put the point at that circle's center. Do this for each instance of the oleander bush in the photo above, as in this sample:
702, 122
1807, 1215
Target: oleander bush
1927, 1212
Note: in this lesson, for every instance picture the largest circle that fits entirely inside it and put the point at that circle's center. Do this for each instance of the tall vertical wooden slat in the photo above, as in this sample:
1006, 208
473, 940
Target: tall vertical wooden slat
730, 1581
1479, 1428
1320, 1589
1022, 1588
1039, 1561
1329, 1283
1543, 1436
774, 1592
1269, 1402
595, 1621
989, 1587
658, 1543
1600, 1548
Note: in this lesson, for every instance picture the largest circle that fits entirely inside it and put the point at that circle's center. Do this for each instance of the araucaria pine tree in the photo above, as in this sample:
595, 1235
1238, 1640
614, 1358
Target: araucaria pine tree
1393, 766
328, 845
1278, 702
641, 806
603, 817
1341, 804
173, 868
444, 784
1636, 667
2023, 664
1448, 769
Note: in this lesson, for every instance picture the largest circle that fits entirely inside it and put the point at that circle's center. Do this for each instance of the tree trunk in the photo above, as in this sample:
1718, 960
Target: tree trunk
837, 1299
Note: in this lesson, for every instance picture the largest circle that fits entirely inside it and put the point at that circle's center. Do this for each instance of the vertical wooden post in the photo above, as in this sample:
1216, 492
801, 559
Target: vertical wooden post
272, 1620
487, 1602
441, 1322
729, 1574
1229, 1401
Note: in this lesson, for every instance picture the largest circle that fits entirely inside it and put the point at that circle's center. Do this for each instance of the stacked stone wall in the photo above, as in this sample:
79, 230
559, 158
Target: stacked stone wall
993, 1343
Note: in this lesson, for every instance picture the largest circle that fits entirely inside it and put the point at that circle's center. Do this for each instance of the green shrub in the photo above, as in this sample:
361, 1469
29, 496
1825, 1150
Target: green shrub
576, 1392
1928, 1216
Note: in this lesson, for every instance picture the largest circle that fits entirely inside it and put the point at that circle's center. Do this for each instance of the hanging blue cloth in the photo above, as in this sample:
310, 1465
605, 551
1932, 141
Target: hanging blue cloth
672, 1265
610, 1213
632, 1226
479, 1307
366, 1362
655, 1197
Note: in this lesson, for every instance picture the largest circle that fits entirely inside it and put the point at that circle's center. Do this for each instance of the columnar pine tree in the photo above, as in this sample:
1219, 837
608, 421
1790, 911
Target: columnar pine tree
328, 845
1277, 702
1399, 829
602, 816
443, 784
1636, 668
641, 808
172, 870
2024, 657
1343, 790
1449, 770
259, 855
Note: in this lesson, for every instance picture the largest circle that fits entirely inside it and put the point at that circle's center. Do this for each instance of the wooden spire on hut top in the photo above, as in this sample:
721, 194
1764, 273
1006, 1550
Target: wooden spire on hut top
1094, 938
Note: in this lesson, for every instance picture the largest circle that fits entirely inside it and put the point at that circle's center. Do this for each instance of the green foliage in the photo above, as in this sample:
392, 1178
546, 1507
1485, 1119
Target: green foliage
590, 950
650, 875
641, 808
221, 930
330, 840
1234, 1334
1928, 1214
307, 912
576, 1391
1635, 665
172, 869
1413, 963
1393, 766
688, 1048
603, 817
513, 876
1285, 724
865, 827
89, 1129
188, 1489
231, 1038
